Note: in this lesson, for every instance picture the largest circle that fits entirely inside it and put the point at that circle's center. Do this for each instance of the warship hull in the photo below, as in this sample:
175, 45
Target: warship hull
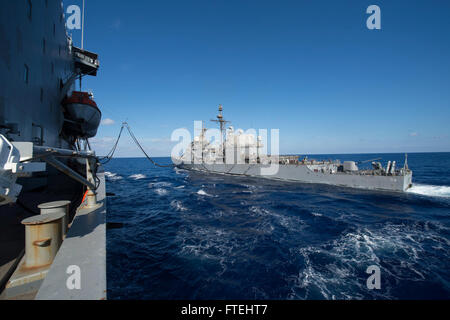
301, 173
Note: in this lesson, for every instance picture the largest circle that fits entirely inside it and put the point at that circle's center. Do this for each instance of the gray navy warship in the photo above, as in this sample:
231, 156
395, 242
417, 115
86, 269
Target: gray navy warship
241, 154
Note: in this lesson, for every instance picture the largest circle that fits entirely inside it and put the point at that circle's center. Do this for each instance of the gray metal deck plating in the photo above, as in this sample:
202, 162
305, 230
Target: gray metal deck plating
85, 247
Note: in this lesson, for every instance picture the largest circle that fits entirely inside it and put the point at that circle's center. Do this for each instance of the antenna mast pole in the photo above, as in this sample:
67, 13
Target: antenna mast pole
222, 123
82, 37
82, 29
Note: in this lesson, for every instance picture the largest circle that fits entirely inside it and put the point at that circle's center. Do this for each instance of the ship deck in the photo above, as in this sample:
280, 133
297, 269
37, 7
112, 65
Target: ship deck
12, 232
84, 247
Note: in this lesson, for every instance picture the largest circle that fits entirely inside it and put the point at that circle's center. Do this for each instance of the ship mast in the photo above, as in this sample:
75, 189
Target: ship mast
222, 122
82, 29
82, 36
405, 165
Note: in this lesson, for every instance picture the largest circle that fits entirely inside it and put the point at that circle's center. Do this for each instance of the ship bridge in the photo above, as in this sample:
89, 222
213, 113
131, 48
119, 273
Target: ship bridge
87, 62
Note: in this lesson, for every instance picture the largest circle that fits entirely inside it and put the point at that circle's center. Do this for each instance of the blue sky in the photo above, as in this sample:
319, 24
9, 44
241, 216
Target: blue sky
309, 68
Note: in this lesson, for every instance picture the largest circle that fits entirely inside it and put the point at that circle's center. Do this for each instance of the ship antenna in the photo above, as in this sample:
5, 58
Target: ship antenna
82, 29
222, 122
82, 37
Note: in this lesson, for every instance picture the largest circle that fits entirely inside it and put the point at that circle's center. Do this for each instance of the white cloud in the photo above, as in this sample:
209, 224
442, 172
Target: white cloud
161, 140
102, 139
108, 122
413, 134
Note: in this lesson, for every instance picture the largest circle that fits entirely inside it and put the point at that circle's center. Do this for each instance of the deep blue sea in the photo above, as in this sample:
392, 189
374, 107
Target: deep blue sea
195, 236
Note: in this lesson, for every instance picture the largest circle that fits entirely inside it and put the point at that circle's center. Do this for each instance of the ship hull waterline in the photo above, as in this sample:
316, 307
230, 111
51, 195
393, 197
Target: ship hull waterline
301, 173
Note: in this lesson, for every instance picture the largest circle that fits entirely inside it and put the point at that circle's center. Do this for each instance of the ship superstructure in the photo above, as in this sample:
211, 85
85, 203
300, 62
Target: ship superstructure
243, 154
49, 176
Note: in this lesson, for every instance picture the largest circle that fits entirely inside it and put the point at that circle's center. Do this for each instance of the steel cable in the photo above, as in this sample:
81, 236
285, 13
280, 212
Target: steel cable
143, 151
110, 154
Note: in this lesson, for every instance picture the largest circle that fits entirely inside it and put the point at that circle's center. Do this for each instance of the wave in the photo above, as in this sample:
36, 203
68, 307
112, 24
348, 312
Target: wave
180, 171
292, 223
112, 176
159, 184
331, 267
203, 193
161, 191
138, 176
430, 190
178, 205
209, 243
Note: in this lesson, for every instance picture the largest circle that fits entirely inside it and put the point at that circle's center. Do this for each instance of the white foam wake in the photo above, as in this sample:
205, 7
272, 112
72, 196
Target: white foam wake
180, 171
203, 193
178, 205
159, 184
430, 190
161, 191
138, 176
112, 176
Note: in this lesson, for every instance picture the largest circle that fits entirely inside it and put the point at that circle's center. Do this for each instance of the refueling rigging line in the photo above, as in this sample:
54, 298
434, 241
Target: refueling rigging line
110, 154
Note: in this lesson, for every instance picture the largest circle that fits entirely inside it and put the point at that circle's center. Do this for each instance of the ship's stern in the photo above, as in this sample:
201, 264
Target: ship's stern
407, 181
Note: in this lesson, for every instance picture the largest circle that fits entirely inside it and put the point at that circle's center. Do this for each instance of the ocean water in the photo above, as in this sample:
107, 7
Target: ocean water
194, 236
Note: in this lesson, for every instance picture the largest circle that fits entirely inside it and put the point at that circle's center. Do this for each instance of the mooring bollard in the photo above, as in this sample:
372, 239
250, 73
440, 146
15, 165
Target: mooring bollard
43, 237
57, 206
91, 196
